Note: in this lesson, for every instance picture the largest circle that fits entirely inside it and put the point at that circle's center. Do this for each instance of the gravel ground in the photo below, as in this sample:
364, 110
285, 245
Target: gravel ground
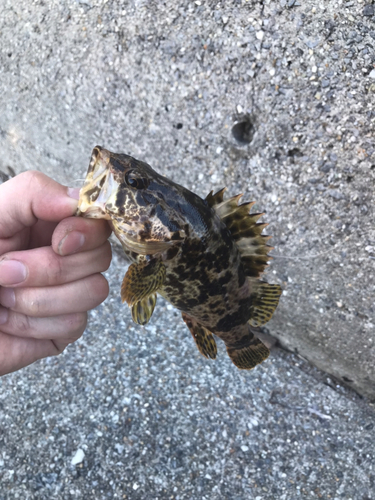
146, 416
272, 99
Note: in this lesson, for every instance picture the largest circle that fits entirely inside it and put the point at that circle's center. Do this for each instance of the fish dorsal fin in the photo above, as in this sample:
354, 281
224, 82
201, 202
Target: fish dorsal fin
245, 231
215, 199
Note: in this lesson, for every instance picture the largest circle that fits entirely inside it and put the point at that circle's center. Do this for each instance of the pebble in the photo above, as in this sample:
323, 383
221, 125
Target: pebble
334, 193
78, 457
368, 10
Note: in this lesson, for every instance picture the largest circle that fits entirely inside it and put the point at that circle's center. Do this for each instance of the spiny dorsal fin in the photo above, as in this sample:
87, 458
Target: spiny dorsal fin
215, 199
245, 230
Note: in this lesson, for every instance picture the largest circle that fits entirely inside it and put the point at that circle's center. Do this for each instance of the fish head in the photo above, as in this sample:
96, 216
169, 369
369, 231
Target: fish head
144, 208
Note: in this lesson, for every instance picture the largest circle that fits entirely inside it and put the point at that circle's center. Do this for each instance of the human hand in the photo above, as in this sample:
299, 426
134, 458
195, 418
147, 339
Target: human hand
50, 265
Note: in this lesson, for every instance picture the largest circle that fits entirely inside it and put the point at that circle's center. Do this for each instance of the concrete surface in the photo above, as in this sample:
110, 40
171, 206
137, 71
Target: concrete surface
272, 99
166, 82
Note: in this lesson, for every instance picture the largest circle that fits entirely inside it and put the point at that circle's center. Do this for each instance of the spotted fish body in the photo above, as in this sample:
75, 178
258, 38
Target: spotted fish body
203, 256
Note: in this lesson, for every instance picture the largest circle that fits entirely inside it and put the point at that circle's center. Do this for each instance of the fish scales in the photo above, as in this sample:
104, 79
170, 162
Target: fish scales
204, 256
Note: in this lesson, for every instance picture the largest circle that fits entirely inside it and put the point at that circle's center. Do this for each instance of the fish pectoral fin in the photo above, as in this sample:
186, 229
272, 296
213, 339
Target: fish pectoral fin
248, 352
265, 299
143, 309
203, 338
142, 280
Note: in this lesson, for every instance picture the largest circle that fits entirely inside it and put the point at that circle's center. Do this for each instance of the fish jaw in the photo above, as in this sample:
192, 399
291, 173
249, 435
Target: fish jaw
99, 187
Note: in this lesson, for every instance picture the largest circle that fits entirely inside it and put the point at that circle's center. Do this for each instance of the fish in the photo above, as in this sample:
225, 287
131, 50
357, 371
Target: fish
204, 256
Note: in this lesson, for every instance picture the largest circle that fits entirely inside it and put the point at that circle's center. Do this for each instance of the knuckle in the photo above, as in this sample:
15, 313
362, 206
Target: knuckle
32, 177
98, 289
31, 303
58, 347
21, 324
55, 270
76, 325
106, 257
103, 289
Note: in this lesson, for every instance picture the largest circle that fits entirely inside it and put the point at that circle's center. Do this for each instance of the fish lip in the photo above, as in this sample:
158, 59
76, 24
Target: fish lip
99, 179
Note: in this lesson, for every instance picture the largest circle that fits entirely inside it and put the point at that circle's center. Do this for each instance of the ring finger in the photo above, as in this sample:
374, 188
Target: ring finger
68, 327
75, 297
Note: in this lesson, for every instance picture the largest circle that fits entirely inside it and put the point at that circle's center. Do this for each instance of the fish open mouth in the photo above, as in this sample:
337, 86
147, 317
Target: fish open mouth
98, 188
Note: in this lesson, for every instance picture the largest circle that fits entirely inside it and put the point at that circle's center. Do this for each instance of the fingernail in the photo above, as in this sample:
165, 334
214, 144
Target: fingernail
12, 272
71, 243
73, 193
7, 297
3, 315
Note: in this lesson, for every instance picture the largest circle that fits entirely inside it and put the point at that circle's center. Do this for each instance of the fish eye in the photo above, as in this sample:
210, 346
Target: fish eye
134, 180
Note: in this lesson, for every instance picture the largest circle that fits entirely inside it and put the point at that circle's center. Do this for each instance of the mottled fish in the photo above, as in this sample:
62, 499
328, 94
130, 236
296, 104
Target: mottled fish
203, 256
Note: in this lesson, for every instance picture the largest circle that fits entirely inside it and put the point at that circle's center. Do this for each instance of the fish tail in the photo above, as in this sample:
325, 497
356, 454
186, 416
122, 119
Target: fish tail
248, 352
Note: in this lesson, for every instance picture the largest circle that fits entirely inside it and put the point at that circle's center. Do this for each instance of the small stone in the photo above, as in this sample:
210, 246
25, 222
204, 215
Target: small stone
244, 448
326, 167
334, 193
119, 448
368, 10
372, 74
260, 35
78, 457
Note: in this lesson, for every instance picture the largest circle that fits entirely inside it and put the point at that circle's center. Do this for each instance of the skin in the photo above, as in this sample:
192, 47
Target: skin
50, 265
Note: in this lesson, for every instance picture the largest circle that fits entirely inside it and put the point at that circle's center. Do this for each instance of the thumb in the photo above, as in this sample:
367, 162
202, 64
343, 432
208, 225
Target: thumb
31, 196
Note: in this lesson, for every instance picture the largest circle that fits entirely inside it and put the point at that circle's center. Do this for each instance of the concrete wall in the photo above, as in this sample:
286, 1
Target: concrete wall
167, 81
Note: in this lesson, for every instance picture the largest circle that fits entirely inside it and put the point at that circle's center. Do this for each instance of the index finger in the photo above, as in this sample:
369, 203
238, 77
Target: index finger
31, 196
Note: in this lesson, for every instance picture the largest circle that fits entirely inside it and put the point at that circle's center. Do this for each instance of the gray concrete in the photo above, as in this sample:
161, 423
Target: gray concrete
166, 82
128, 76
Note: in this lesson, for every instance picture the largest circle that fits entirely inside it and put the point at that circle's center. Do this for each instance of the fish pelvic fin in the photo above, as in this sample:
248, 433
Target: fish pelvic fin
141, 280
142, 310
265, 299
203, 338
245, 231
248, 352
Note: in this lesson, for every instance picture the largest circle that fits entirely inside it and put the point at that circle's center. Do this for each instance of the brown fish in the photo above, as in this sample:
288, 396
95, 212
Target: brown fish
203, 256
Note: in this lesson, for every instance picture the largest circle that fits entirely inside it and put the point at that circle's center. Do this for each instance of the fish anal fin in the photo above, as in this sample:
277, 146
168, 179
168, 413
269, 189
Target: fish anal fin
248, 356
141, 280
203, 338
265, 299
143, 309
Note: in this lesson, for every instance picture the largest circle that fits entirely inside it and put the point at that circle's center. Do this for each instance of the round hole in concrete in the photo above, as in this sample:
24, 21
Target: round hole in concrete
243, 130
